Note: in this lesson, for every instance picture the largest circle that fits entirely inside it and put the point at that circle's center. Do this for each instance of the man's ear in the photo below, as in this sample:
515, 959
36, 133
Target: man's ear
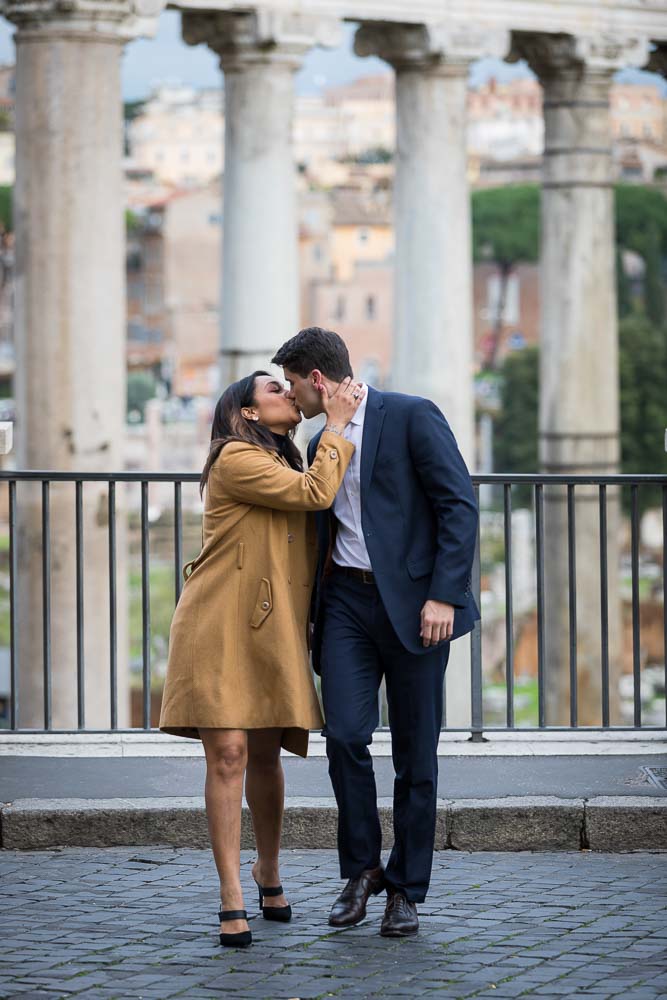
316, 377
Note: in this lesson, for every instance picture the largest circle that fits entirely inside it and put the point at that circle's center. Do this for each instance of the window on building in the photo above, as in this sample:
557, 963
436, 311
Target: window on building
370, 307
363, 235
317, 252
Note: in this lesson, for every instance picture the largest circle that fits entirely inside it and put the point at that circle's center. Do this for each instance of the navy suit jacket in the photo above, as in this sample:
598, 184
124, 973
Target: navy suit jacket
418, 514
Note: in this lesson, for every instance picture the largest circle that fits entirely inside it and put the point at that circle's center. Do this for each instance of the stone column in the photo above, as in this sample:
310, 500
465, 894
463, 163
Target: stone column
433, 330
433, 349
69, 330
259, 54
579, 408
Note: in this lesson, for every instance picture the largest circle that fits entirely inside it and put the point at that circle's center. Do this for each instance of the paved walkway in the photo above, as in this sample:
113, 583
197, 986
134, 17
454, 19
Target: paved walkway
140, 922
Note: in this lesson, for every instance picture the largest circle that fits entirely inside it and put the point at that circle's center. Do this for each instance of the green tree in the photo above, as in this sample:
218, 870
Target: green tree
506, 231
141, 386
654, 286
515, 443
376, 154
643, 378
641, 225
132, 221
6, 213
623, 288
132, 110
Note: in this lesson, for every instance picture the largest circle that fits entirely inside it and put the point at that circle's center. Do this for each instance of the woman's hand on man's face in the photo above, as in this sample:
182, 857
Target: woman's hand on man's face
343, 404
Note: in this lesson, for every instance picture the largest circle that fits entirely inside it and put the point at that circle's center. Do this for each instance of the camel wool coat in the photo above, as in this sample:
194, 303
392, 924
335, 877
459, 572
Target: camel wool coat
238, 646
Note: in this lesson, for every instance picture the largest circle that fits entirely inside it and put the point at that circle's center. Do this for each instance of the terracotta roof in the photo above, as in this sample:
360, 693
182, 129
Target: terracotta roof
352, 208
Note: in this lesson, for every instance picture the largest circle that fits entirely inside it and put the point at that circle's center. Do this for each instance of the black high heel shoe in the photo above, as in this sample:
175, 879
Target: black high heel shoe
280, 913
240, 940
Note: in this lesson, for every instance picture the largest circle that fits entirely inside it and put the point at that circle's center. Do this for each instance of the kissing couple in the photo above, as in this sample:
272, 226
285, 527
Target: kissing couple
362, 560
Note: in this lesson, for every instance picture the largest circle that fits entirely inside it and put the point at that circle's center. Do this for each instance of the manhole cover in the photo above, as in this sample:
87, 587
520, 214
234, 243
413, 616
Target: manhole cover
657, 776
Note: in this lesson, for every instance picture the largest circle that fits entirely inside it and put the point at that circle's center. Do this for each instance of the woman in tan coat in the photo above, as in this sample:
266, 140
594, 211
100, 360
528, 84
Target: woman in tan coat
238, 675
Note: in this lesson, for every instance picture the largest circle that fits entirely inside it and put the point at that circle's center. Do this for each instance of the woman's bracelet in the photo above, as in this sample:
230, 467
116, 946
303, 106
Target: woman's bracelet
333, 430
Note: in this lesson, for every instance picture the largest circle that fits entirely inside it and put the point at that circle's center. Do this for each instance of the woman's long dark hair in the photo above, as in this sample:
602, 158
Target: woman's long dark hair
229, 424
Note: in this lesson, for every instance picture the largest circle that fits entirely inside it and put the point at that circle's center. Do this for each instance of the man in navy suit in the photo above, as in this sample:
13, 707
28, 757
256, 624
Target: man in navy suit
393, 590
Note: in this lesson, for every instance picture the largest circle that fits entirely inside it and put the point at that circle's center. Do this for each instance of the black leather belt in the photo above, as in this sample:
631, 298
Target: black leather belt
365, 575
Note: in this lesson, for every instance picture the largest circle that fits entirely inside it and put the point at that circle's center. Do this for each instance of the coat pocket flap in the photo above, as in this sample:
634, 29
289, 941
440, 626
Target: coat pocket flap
264, 604
420, 566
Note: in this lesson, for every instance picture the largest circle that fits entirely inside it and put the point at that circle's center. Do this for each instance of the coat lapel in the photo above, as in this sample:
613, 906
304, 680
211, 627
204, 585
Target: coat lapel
371, 437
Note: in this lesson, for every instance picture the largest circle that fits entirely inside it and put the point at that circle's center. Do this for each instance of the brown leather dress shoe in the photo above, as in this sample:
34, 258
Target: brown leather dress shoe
350, 907
400, 916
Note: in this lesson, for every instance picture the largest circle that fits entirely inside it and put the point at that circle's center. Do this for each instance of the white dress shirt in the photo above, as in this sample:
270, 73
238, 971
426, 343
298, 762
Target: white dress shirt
350, 547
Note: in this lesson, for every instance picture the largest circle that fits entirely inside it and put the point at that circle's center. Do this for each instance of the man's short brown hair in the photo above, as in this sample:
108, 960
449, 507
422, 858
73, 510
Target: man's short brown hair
313, 348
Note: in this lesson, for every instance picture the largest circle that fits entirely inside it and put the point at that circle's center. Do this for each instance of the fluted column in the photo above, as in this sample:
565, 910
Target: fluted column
579, 406
433, 331
69, 329
259, 54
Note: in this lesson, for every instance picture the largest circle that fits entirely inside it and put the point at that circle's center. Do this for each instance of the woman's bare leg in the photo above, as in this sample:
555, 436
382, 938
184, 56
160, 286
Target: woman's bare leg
265, 793
226, 758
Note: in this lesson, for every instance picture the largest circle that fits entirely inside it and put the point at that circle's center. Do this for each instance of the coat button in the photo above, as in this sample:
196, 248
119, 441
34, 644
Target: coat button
333, 454
265, 605
290, 537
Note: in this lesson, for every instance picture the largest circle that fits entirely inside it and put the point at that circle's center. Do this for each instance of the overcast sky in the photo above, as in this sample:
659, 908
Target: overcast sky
166, 58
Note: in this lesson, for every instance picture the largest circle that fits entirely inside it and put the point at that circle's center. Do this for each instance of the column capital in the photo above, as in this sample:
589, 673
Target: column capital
552, 56
429, 46
261, 36
92, 20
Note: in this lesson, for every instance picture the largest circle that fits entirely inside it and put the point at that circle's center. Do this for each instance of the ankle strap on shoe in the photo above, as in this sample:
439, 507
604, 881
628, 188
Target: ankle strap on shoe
232, 915
276, 890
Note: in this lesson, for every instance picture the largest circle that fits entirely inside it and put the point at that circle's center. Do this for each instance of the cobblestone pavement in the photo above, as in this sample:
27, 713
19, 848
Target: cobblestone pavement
140, 922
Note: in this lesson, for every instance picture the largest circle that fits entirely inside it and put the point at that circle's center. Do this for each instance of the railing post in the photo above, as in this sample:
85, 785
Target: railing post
664, 588
539, 558
636, 649
80, 660
145, 610
476, 705
113, 623
604, 607
178, 542
46, 602
13, 616
572, 610
509, 608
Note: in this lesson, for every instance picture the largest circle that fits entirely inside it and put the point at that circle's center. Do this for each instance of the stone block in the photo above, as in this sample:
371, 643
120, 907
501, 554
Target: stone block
30, 824
525, 823
626, 823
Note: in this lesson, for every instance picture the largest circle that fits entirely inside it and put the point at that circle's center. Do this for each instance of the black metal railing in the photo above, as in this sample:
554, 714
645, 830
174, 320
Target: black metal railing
572, 490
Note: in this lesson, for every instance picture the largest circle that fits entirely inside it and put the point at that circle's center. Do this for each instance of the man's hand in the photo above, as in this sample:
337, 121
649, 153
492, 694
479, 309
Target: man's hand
437, 622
